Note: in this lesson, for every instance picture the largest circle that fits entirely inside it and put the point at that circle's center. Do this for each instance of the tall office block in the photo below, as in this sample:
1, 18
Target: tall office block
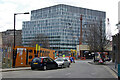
61, 23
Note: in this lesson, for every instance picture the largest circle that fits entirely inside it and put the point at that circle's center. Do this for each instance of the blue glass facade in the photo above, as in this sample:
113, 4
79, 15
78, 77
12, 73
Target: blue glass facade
61, 23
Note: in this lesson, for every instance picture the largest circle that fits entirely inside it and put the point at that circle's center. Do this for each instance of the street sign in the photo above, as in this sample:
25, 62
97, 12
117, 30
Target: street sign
37, 47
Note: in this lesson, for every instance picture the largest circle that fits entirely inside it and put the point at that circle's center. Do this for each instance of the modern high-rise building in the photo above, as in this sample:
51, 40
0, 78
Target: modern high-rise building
61, 23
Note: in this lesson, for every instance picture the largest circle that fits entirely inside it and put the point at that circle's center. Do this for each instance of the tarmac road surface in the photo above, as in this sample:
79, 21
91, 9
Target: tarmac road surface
80, 69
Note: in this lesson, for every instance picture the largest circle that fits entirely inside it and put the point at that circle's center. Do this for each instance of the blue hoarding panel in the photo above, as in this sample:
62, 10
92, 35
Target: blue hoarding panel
119, 70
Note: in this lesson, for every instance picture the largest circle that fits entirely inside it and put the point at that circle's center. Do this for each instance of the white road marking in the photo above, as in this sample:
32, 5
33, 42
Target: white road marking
93, 73
68, 74
89, 63
112, 72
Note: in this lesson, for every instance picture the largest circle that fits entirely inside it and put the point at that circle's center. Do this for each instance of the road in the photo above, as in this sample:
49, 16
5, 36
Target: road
80, 69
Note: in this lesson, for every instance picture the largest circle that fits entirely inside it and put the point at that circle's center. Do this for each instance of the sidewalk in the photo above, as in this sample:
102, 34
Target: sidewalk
110, 64
15, 69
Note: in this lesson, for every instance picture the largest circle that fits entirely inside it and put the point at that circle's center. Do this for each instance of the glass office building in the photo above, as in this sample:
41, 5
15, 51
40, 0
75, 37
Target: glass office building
61, 23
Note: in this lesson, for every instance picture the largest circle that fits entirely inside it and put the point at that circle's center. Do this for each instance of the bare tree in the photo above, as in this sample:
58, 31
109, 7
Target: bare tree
40, 39
97, 39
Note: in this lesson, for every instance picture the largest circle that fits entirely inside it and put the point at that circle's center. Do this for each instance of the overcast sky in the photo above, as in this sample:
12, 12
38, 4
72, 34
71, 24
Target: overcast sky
9, 7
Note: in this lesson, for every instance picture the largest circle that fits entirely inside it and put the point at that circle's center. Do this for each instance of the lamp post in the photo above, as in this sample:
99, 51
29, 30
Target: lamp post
14, 54
14, 23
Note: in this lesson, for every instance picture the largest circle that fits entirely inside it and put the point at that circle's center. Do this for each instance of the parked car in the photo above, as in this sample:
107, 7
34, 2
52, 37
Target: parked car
67, 59
62, 62
43, 63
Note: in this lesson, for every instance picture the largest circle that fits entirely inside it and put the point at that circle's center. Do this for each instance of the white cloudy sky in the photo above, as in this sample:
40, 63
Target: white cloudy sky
9, 7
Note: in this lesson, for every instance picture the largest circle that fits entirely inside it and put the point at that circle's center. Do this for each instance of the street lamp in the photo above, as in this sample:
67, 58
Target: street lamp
14, 23
14, 53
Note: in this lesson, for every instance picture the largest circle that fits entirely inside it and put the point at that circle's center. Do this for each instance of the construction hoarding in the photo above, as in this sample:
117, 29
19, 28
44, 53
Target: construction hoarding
24, 55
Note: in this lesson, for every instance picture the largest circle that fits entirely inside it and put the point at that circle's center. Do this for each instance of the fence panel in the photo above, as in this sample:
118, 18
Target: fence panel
6, 57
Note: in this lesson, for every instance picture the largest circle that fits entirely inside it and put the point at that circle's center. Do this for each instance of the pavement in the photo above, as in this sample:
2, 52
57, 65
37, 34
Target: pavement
15, 69
110, 64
